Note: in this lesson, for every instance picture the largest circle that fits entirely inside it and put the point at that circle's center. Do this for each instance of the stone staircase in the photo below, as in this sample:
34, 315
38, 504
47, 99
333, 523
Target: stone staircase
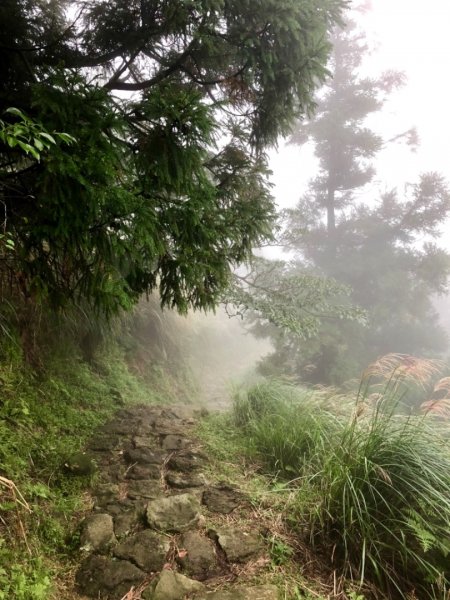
160, 527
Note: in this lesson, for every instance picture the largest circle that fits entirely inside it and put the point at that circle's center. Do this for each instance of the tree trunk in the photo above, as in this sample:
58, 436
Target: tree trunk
331, 225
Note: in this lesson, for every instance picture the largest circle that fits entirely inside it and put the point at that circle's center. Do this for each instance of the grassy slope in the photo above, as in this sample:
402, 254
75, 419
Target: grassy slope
357, 491
44, 419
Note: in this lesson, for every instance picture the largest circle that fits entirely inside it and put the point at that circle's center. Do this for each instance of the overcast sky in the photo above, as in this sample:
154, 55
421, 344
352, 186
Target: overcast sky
411, 36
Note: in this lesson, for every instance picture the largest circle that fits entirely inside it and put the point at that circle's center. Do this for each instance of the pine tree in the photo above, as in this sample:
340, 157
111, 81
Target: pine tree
382, 249
168, 107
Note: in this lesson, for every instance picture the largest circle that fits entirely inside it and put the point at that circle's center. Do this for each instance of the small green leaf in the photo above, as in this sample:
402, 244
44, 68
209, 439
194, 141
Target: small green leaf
15, 111
39, 145
47, 136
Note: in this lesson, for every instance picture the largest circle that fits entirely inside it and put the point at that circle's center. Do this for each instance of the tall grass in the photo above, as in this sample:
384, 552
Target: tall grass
380, 478
284, 426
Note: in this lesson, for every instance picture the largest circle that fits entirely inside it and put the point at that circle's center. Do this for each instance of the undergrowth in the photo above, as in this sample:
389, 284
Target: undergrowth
298, 573
371, 482
45, 417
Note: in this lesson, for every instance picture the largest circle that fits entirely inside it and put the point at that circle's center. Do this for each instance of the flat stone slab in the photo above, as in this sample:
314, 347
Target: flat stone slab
143, 456
222, 499
169, 427
144, 441
101, 576
173, 513
200, 560
239, 546
106, 493
118, 507
187, 460
125, 522
112, 472
143, 472
172, 586
173, 442
185, 480
257, 592
146, 549
97, 533
148, 489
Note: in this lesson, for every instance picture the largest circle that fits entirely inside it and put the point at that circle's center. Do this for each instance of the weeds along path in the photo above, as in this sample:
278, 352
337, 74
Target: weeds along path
160, 527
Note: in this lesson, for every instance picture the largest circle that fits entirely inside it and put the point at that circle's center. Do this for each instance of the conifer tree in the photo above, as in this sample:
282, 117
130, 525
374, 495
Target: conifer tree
383, 249
167, 108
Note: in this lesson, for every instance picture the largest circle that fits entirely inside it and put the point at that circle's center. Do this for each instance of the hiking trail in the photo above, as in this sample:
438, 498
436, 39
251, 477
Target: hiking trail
160, 527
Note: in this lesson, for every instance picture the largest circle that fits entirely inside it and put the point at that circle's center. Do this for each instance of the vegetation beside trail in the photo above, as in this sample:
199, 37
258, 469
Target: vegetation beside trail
359, 481
46, 417
353, 491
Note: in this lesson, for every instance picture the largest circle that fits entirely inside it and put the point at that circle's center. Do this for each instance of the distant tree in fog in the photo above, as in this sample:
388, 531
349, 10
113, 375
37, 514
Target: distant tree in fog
384, 250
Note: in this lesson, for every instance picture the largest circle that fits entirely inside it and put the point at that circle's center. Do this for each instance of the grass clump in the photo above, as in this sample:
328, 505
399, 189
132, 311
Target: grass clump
373, 482
283, 425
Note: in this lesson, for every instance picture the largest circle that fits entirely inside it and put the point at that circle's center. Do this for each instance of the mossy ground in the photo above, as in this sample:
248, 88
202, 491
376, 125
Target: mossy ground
45, 417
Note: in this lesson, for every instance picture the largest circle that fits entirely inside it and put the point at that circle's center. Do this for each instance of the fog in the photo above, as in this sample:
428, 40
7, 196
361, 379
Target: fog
222, 354
410, 37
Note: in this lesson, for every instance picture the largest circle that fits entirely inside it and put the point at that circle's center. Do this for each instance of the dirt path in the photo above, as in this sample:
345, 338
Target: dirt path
161, 528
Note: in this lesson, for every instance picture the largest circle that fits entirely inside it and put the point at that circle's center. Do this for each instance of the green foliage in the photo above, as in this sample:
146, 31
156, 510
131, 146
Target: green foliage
276, 294
29, 136
29, 583
282, 425
166, 187
280, 552
373, 484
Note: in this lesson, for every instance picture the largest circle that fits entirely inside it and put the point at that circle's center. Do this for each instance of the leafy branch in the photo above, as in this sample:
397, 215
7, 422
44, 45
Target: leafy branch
30, 136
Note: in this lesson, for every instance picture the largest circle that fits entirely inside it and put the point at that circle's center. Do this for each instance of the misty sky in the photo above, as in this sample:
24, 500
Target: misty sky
411, 36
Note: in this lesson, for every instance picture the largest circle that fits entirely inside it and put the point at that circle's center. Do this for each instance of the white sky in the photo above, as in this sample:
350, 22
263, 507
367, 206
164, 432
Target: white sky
411, 36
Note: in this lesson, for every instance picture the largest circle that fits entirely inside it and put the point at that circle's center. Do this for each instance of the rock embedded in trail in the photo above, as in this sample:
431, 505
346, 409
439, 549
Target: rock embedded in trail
117, 427
173, 513
185, 480
239, 546
143, 441
105, 494
223, 499
143, 472
125, 522
257, 592
172, 586
173, 442
143, 456
114, 472
146, 549
187, 460
119, 507
97, 533
200, 560
147, 489
101, 576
